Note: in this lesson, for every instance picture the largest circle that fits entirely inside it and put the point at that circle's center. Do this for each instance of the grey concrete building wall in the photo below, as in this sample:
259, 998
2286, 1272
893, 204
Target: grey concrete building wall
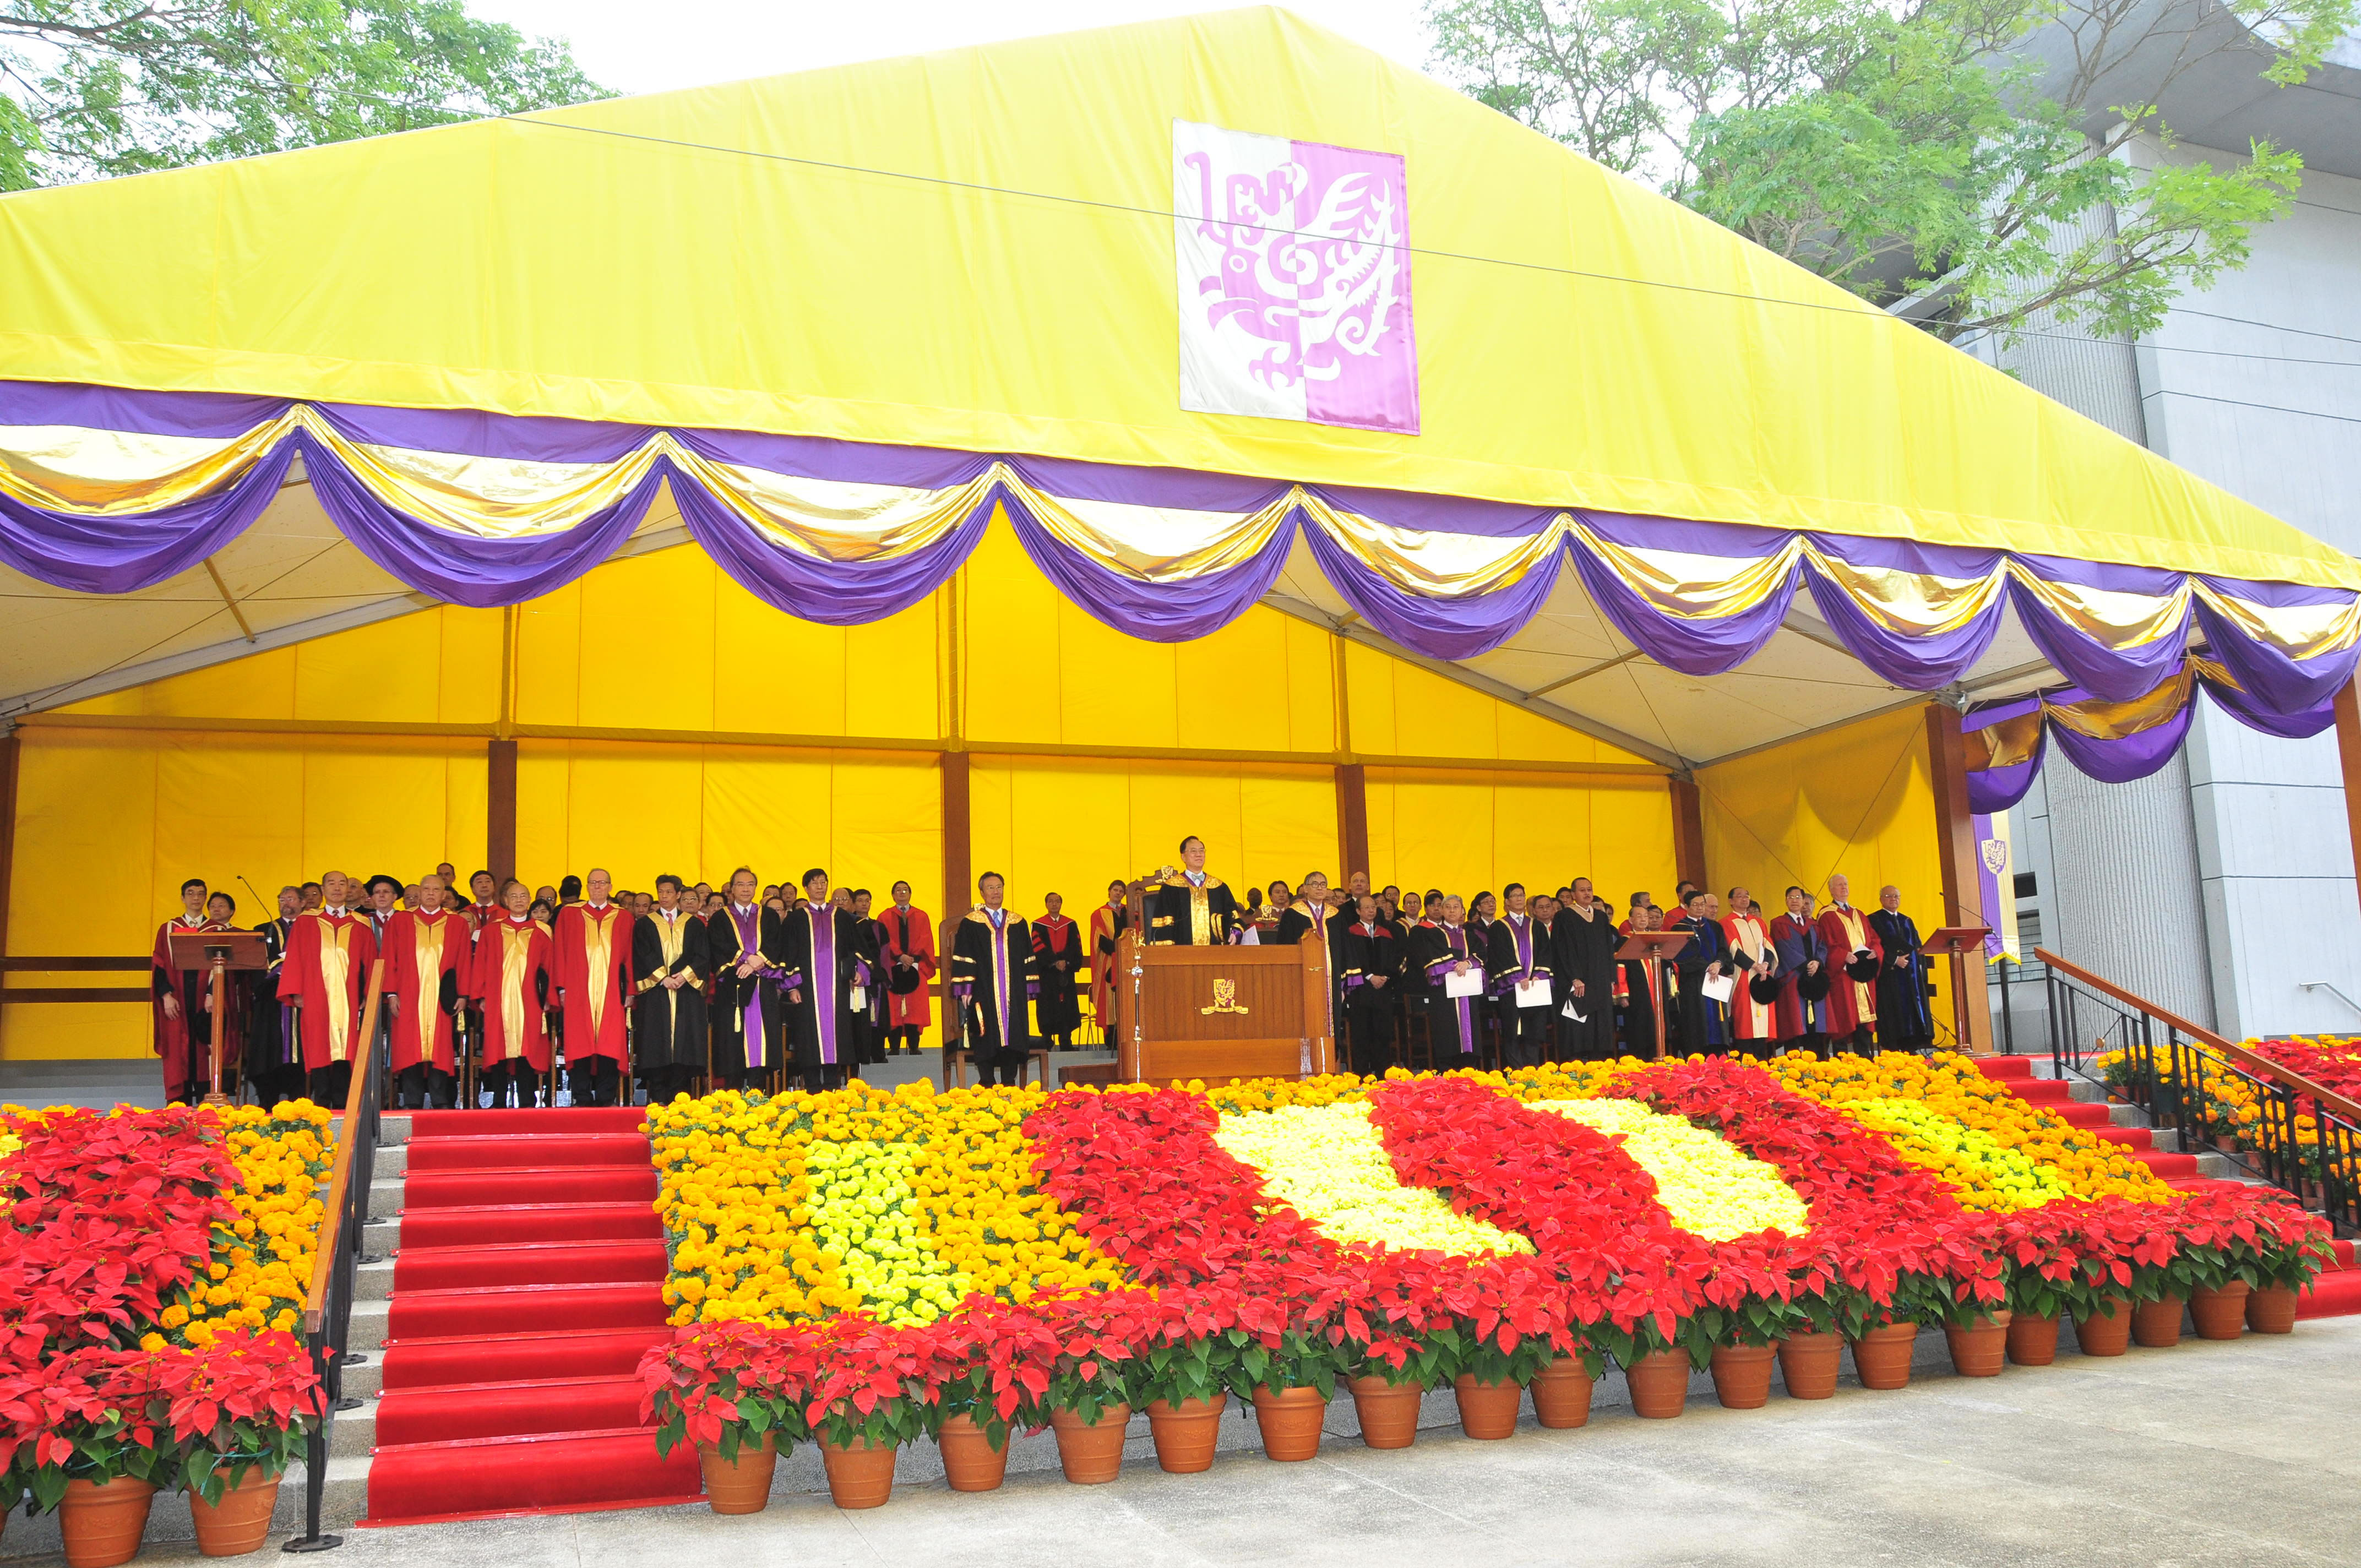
2125, 901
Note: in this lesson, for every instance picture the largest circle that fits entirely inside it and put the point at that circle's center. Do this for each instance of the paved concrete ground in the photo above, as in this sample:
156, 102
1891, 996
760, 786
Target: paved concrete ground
2242, 1456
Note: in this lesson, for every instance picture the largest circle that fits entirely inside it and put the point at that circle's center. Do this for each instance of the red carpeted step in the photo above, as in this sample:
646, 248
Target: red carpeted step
493, 1189
508, 1409
2092, 1114
526, 1263
2046, 1092
487, 1224
2343, 1250
416, 1482
2335, 1295
2127, 1137
526, 1123
2204, 1184
540, 1153
479, 1358
2157, 1162
455, 1314
2005, 1067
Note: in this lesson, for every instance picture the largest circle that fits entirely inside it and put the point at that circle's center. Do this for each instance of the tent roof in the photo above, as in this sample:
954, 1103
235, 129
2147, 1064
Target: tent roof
974, 249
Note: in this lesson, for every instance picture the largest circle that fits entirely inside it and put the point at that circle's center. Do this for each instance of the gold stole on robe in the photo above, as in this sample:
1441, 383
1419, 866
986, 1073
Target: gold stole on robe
516, 947
428, 952
597, 937
335, 972
1864, 992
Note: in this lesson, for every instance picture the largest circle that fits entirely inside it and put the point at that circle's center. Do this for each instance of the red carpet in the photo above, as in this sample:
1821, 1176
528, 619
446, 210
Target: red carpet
527, 1285
2335, 1294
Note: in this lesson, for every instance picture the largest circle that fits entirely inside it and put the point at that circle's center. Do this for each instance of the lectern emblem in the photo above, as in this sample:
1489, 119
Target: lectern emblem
1226, 998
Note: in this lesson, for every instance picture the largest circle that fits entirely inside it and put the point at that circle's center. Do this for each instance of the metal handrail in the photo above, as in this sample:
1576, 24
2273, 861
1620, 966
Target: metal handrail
2168, 1078
328, 1305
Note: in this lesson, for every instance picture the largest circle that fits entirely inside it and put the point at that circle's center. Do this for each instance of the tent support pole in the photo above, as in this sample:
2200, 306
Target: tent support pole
1955, 847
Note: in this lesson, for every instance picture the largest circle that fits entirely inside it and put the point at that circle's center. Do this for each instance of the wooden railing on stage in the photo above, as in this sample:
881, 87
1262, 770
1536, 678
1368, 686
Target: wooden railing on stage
76, 993
1221, 1013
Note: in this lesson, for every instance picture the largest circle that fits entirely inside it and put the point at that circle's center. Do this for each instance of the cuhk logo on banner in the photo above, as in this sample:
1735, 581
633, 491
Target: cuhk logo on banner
1293, 274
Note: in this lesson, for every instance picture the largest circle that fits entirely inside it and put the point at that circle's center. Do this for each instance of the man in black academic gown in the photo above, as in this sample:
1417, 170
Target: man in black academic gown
1372, 968
746, 942
1583, 941
991, 985
1520, 963
828, 981
1902, 1023
669, 967
1186, 906
274, 1057
1433, 953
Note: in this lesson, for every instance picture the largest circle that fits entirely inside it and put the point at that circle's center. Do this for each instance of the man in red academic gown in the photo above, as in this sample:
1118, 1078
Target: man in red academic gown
1753, 1026
1853, 1005
1057, 966
594, 982
329, 951
909, 950
426, 950
183, 1026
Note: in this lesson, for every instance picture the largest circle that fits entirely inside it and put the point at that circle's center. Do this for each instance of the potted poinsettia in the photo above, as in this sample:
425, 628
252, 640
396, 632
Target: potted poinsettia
734, 1389
872, 1389
1089, 1378
99, 1450
240, 1409
1186, 1372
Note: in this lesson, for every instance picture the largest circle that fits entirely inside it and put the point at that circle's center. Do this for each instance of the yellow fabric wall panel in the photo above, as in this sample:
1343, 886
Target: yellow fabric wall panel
545, 803
471, 664
372, 805
886, 816
86, 819
1016, 641
1369, 701
890, 674
1632, 838
391, 672
1311, 684
1288, 820
635, 810
260, 686
1466, 835
1231, 689
1856, 800
764, 809
1435, 718
549, 646
646, 643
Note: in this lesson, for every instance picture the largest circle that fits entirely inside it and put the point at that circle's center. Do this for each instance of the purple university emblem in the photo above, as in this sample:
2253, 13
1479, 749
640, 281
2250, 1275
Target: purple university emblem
1292, 263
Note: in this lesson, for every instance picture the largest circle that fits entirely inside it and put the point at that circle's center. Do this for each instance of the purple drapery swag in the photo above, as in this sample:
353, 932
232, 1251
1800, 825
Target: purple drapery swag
128, 552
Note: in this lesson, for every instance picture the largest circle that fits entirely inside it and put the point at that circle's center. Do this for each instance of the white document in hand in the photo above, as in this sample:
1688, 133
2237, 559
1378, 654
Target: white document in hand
1532, 993
1577, 1017
1718, 987
1469, 985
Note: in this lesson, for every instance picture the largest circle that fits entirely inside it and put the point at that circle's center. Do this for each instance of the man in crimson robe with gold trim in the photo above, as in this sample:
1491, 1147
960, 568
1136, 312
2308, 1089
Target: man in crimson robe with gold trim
594, 983
183, 1021
329, 952
425, 950
1057, 964
1753, 1026
1853, 1004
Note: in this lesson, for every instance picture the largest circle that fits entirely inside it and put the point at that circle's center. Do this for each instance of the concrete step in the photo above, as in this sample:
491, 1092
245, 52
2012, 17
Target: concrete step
364, 1329
385, 1197
355, 1433
374, 1281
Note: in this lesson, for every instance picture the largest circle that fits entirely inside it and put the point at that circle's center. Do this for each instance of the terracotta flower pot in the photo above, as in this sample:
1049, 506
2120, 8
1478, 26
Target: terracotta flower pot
1741, 1374
1289, 1421
1389, 1411
1881, 1356
2220, 1314
1185, 1433
1808, 1365
860, 1474
1561, 1394
740, 1486
240, 1522
2272, 1311
970, 1462
1486, 1410
1978, 1349
1660, 1384
2033, 1342
2108, 1330
2157, 1324
102, 1520
1090, 1452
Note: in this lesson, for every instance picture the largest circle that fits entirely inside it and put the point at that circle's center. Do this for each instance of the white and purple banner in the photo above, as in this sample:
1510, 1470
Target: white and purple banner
1293, 266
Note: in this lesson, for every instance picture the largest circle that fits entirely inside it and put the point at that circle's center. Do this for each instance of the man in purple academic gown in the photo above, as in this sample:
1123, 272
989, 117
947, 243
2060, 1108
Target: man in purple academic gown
993, 985
746, 944
1436, 952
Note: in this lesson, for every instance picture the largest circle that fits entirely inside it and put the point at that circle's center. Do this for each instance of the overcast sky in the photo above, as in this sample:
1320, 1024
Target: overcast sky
639, 48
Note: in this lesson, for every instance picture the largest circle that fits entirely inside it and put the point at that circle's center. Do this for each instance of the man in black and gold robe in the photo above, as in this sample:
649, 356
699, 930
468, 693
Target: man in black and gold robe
992, 985
1186, 908
669, 968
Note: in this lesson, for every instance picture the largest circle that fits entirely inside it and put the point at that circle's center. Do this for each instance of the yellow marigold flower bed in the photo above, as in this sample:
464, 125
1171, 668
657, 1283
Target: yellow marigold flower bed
2087, 1165
1981, 1173
262, 1263
1709, 1188
745, 1198
1328, 1164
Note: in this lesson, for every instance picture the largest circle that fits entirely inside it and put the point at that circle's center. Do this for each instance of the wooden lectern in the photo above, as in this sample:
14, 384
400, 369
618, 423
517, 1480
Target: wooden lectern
1956, 942
221, 951
1652, 948
1221, 1013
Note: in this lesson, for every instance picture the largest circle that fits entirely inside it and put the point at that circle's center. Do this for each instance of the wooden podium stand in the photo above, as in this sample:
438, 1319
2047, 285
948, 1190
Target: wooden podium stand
1221, 1013
1955, 943
220, 951
1652, 948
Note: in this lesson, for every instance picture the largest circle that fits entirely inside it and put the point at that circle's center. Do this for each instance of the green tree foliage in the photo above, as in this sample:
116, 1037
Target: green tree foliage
1980, 149
90, 88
